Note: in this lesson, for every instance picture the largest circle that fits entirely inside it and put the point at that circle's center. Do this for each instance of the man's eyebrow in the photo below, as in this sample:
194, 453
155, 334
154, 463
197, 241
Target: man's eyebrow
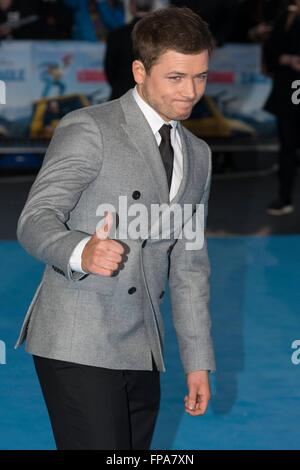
184, 74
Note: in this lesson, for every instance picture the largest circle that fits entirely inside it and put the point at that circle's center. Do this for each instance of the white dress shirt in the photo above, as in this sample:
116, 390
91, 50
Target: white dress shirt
155, 121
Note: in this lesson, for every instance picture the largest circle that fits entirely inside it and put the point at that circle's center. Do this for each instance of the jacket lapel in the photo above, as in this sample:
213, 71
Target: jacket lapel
142, 137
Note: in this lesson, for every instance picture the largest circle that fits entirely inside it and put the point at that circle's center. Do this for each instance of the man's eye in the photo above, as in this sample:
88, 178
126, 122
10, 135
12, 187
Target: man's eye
203, 77
175, 79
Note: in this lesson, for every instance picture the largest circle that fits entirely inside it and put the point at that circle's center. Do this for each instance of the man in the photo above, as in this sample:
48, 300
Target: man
119, 55
219, 14
282, 56
56, 20
94, 326
94, 18
18, 20
51, 118
254, 20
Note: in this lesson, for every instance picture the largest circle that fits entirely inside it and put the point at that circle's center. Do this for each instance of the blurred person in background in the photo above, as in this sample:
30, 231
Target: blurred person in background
112, 13
119, 54
18, 19
265, 14
56, 20
51, 118
219, 14
254, 22
282, 56
93, 19
255, 19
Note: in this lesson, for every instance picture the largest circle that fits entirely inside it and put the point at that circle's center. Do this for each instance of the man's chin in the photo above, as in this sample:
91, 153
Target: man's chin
182, 117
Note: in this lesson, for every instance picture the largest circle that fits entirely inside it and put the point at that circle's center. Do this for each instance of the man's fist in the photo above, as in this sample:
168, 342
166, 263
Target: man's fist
101, 255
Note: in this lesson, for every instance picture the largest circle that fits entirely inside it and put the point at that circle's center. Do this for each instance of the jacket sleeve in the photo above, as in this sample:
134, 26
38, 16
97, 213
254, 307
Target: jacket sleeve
189, 292
72, 162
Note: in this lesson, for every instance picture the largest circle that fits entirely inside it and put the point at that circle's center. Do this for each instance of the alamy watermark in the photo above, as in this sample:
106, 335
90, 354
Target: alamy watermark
295, 358
296, 94
160, 221
2, 352
2, 92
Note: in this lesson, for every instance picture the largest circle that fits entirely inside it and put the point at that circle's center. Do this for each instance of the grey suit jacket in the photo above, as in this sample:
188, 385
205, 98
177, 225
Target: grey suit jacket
97, 154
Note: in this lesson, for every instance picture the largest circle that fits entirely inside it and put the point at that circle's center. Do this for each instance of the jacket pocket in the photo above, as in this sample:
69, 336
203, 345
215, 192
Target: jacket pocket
102, 284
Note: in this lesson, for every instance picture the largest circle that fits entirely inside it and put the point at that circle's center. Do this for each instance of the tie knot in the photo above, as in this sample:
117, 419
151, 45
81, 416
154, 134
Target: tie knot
165, 132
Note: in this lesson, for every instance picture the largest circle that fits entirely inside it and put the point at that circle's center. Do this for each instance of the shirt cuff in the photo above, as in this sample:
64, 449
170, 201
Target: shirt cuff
75, 259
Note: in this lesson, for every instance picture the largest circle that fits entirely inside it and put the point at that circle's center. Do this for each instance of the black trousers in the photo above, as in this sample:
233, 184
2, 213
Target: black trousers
98, 408
288, 132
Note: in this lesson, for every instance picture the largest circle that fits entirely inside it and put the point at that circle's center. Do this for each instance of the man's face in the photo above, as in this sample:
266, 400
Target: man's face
175, 83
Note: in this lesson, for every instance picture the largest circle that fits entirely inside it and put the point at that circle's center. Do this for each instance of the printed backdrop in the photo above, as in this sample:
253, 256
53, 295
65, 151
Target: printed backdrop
71, 75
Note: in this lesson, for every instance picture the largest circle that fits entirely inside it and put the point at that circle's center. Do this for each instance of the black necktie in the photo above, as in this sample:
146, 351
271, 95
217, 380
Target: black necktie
167, 151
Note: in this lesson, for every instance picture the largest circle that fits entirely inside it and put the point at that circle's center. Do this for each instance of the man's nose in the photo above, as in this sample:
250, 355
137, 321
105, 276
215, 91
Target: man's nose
189, 90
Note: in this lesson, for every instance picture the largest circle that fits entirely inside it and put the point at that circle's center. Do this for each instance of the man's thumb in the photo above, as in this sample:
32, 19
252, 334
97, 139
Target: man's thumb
192, 398
102, 232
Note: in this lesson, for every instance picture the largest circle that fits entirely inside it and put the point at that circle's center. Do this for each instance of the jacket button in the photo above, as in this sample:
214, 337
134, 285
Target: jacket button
144, 243
131, 290
162, 294
136, 194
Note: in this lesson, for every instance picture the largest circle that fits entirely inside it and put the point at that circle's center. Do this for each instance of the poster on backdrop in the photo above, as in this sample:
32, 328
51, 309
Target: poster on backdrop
46, 80
16, 73
235, 96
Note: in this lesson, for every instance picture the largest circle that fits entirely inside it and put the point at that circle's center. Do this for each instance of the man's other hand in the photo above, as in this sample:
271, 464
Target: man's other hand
199, 392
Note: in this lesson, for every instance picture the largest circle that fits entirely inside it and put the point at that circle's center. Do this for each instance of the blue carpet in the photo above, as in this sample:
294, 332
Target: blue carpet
255, 404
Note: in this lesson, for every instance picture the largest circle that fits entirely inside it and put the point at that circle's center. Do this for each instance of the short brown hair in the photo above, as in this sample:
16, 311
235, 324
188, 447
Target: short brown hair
178, 29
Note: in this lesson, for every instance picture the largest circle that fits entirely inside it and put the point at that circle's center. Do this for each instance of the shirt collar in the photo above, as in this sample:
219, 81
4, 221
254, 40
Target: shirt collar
154, 119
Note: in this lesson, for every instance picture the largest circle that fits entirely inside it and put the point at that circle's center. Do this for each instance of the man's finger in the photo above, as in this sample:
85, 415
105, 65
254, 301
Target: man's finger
116, 247
199, 409
203, 406
107, 264
192, 398
102, 232
112, 256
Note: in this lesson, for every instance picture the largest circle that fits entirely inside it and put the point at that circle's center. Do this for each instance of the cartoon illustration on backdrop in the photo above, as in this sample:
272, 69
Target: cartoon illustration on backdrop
52, 74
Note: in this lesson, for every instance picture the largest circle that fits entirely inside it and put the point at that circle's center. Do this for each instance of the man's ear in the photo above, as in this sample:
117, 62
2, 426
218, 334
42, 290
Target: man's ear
139, 72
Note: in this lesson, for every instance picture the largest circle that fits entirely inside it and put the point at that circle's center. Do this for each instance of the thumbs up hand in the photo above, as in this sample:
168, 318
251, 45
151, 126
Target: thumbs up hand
102, 255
